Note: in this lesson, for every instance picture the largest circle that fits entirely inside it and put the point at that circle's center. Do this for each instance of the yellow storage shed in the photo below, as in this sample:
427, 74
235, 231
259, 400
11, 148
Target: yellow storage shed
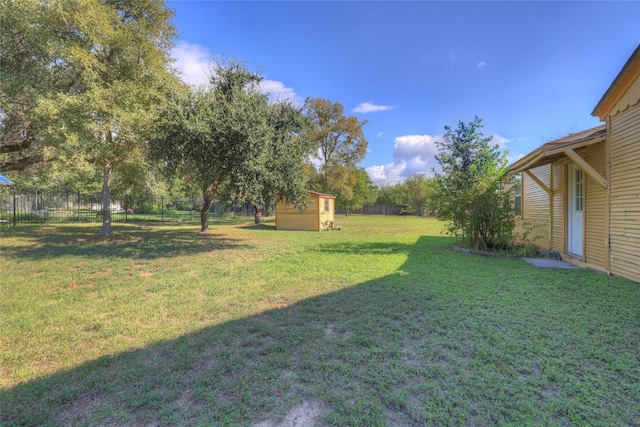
318, 216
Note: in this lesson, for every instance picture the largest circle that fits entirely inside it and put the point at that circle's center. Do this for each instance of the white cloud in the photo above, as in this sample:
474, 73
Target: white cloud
514, 158
414, 154
193, 62
379, 135
481, 64
391, 173
278, 91
408, 147
369, 107
500, 140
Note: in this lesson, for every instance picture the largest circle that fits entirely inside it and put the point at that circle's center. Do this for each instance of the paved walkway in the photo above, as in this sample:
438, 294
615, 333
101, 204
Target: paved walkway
549, 263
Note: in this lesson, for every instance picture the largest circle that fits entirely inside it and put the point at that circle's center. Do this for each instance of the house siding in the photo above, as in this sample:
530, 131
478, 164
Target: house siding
625, 187
610, 156
535, 206
558, 214
595, 211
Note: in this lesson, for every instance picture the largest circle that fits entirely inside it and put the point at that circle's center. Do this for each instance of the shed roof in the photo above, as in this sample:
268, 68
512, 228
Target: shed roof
328, 196
553, 150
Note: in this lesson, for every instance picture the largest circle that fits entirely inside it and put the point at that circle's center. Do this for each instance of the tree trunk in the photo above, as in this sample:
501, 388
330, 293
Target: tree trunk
204, 213
209, 194
257, 218
106, 200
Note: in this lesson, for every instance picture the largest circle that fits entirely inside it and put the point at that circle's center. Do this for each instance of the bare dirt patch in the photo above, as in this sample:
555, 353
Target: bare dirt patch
188, 401
306, 414
80, 409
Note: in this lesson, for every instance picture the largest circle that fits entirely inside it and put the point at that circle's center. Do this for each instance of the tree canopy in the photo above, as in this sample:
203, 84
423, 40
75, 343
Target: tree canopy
339, 145
363, 192
272, 169
228, 141
469, 193
84, 81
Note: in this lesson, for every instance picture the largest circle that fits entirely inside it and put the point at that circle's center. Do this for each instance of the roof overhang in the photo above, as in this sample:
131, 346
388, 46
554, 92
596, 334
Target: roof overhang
323, 195
620, 85
556, 150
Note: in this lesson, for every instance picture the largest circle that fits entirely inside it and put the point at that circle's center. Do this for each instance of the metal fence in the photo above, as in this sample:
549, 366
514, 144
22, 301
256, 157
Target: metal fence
19, 206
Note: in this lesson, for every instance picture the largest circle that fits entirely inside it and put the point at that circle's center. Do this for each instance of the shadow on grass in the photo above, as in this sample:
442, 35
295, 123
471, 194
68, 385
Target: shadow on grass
450, 339
132, 241
269, 227
362, 248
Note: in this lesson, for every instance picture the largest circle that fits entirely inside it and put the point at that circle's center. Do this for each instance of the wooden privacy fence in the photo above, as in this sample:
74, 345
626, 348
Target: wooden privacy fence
371, 210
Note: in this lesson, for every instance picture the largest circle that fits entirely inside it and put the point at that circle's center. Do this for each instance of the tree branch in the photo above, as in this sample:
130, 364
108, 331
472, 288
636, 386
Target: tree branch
21, 164
17, 146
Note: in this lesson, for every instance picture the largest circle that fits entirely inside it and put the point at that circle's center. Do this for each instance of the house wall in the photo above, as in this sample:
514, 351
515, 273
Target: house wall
535, 206
558, 208
595, 209
288, 217
624, 213
546, 214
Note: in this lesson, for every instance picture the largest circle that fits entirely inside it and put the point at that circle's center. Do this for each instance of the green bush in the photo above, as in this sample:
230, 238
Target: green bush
472, 193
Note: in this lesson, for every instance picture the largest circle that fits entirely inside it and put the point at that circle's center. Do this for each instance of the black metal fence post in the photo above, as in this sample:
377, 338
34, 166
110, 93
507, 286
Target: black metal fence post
162, 202
14, 206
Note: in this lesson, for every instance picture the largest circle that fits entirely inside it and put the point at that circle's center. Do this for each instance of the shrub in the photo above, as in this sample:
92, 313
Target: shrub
472, 193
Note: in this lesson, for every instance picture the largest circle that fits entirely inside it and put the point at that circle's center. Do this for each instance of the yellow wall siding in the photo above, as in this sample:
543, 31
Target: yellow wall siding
535, 206
288, 217
595, 209
327, 215
625, 193
629, 99
557, 232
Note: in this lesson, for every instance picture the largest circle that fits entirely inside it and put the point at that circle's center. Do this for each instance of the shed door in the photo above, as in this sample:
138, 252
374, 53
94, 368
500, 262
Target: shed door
575, 212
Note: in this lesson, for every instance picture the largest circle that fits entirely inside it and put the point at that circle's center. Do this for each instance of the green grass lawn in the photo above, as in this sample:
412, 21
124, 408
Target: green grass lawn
376, 324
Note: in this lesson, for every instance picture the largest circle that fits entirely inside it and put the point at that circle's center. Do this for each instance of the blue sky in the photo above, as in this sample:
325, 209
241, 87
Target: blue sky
533, 71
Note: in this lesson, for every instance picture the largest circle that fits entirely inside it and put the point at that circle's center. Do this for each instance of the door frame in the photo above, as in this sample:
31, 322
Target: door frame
575, 247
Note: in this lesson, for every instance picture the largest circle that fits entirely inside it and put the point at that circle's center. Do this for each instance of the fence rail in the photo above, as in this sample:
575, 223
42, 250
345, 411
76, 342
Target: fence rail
21, 207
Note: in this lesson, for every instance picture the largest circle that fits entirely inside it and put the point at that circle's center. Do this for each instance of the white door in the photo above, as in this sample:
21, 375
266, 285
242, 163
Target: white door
575, 210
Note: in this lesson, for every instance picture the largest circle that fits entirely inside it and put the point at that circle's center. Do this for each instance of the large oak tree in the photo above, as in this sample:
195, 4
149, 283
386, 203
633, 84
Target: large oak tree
340, 145
82, 80
228, 141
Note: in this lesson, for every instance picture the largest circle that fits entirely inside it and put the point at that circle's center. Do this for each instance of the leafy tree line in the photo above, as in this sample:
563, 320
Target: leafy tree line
414, 194
88, 97
89, 100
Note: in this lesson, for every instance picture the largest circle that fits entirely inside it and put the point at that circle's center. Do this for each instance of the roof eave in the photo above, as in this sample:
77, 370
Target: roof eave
620, 84
535, 158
